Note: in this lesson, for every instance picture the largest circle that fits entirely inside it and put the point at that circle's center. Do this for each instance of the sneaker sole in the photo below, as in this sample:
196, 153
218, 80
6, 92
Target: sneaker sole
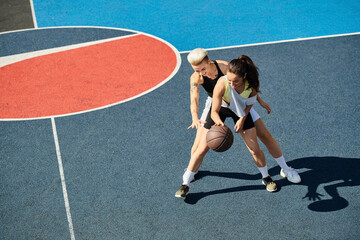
294, 181
282, 174
268, 189
178, 196
271, 190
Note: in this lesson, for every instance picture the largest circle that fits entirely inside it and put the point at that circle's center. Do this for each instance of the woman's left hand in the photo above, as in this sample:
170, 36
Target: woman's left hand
196, 124
265, 105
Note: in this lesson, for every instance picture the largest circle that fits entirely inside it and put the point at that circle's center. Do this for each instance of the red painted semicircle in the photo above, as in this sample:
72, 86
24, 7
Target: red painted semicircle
85, 78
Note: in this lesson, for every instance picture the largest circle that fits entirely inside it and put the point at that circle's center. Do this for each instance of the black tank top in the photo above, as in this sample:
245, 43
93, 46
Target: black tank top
209, 83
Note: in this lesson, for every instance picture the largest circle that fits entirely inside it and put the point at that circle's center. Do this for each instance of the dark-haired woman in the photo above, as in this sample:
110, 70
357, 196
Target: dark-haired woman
239, 89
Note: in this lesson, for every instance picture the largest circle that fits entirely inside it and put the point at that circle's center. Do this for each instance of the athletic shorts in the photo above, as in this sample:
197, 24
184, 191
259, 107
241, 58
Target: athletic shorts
225, 113
255, 116
206, 109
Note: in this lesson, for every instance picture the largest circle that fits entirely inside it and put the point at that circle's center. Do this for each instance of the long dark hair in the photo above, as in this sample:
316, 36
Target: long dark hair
244, 65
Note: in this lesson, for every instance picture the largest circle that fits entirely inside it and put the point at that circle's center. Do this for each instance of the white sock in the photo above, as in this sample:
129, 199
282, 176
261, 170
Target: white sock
264, 171
188, 177
282, 163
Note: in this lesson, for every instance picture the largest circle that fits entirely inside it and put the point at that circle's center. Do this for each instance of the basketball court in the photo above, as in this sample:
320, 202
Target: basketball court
94, 111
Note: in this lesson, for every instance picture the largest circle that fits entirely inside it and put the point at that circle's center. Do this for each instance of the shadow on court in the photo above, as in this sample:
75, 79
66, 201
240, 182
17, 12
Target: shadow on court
333, 172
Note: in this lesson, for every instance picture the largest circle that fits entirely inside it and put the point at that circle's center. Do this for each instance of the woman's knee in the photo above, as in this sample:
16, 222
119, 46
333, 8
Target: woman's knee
256, 151
262, 135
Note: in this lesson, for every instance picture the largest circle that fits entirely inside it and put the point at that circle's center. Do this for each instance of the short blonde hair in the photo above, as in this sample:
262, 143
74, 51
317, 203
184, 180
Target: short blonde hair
196, 56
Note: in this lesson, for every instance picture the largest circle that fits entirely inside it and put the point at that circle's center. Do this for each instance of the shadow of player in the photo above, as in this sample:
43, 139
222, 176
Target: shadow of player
334, 172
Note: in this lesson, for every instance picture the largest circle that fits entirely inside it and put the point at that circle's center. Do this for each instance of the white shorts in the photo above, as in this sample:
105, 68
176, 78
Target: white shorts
206, 109
255, 116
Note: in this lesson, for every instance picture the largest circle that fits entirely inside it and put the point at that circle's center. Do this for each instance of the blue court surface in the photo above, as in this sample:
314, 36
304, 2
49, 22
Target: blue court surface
110, 171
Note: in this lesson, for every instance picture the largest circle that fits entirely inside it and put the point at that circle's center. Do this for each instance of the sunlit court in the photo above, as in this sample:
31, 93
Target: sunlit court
97, 130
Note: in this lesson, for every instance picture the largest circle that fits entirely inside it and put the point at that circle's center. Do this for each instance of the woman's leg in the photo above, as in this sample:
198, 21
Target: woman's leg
198, 155
265, 137
195, 162
250, 139
197, 139
251, 142
274, 149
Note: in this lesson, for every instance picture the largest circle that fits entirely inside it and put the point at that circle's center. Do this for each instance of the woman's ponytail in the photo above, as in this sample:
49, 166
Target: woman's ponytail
244, 65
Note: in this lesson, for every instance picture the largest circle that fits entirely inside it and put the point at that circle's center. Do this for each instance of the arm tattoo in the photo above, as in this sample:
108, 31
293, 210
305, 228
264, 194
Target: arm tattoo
194, 86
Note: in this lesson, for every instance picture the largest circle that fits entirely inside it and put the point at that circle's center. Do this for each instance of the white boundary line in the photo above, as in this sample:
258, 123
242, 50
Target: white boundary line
276, 42
62, 176
58, 154
176, 69
33, 13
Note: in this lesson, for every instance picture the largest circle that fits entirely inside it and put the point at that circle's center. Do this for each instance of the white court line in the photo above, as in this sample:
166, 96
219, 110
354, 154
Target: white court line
281, 41
63, 183
33, 14
58, 154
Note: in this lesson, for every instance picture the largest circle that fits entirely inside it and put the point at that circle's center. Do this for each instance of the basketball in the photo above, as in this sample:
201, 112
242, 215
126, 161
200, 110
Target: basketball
219, 138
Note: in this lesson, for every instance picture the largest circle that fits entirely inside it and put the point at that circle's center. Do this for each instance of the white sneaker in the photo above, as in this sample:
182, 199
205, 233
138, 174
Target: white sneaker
291, 175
